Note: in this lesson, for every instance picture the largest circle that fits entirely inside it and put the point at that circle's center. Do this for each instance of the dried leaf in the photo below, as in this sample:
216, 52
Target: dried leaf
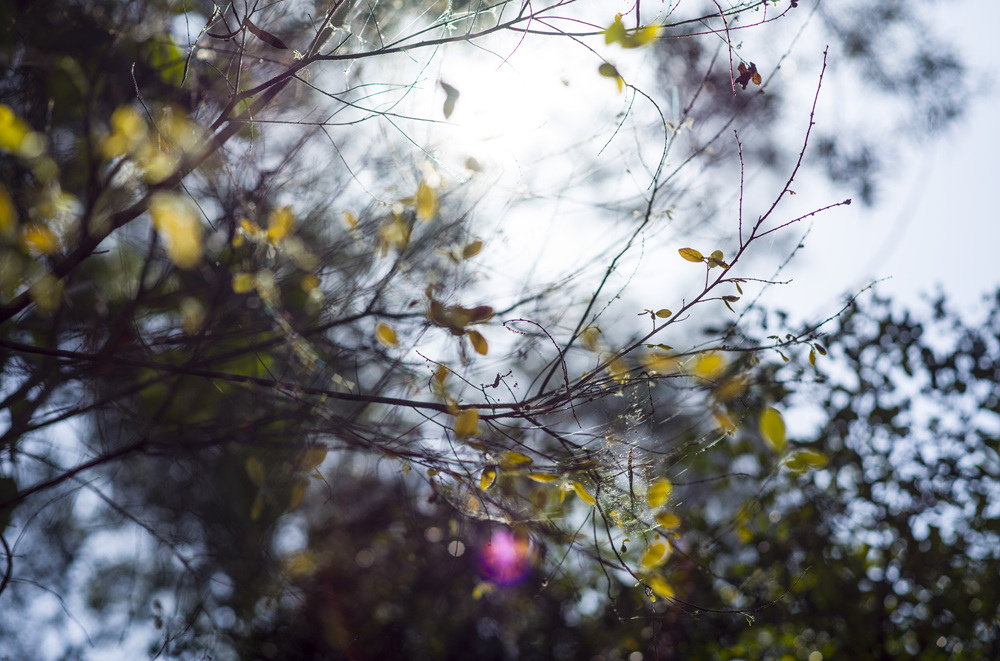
451, 96
264, 36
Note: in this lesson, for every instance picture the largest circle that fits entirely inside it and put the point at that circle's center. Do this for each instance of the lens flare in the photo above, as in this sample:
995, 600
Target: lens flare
506, 559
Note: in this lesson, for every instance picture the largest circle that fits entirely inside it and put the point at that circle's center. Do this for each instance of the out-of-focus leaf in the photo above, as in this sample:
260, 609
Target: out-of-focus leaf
451, 96
656, 554
660, 587
385, 335
488, 478
772, 430
668, 520
427, 202
467, 423
255, 471
659, 492
478, 342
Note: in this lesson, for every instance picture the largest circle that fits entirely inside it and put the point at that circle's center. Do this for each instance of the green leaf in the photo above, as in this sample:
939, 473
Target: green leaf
772, 430
691, 255
451, 96
801, 461
255, 471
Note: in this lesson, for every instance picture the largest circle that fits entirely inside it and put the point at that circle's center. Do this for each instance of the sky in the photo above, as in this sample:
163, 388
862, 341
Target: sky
937, 221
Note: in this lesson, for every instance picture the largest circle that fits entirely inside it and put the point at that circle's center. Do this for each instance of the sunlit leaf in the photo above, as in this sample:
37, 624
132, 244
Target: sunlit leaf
584, 495
177, 223
544, 478
772, 429
427, 202
659, 492
709, 365
717, 258
660, 587
255, 471
385, 335
691, 255
801, 461
513, 459
668, 520
615, 32
243, 283
39, 239
128, 131
656, 554
487, 479
478, 342
467, 423
280, 224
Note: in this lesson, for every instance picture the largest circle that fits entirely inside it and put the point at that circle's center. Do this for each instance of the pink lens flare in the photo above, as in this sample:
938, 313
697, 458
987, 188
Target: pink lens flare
506, 559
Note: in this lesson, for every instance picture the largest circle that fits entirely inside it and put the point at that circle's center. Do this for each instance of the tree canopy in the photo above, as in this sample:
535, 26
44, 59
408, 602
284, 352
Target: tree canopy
292, 368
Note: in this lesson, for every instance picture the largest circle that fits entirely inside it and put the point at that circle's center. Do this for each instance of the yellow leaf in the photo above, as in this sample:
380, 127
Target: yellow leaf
544, 478
512, 459
659, 492
668, 520
312, 458
46, 292
301, 564
772, 430
128, 131
242, 283
255, 471
177, 223
709, 365
656, 554
467, 423
584, 495
615, 32
385, 335
8, 215
664, 313
691, 255
16, 137
488, 478
39, 239
257, 508
427, 202
478, 342
801, 461
660, 587
280, 224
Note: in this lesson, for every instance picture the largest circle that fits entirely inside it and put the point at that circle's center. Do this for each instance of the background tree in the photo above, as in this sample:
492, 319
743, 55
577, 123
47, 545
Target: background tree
208, 339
